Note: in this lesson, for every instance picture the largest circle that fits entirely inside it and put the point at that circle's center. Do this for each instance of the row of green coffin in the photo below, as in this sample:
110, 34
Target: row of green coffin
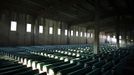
10, 68
76, 54
53, 56
99, 68
78, 51
39, 64
71, 69
35, 62
64, 53
29, 62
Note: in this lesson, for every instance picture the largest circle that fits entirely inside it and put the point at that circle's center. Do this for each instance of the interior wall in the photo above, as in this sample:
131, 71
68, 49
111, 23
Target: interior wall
21, 37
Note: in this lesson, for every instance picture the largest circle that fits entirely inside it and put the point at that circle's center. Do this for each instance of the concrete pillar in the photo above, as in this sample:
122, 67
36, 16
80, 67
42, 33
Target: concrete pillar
86, 36
68, 34
34, 27
125, 38
117, 38
96, 31
96, 40
35, 34
117, 31
125, 41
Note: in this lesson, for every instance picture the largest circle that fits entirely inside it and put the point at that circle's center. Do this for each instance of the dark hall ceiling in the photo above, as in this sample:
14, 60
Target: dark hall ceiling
72, 11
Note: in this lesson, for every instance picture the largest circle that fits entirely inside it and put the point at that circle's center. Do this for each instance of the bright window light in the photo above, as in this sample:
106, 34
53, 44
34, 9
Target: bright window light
91, 35
108, 38
85, 34
13, 25
120, 41
77, 33
59, 31
28, 28
65, 32
120, 37
71, 32
114, 40
81, 34
114, 36
40, 29
88, 35
51, 30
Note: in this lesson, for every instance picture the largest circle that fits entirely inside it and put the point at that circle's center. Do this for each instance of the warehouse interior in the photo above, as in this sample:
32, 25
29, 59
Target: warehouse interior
62, 37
